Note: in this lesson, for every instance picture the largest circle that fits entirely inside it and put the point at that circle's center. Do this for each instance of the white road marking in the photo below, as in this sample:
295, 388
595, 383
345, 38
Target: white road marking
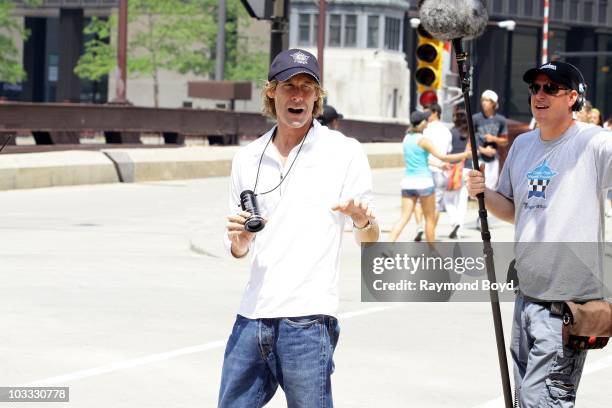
122, 365
153, 358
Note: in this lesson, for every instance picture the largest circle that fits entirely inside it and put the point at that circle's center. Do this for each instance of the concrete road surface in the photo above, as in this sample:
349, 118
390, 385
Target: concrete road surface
122, 292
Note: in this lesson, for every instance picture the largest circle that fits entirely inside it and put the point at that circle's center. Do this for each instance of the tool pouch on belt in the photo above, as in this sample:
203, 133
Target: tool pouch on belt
587, 325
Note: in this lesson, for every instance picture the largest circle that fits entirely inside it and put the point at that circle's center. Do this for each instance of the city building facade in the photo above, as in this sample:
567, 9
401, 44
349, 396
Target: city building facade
368, 60
365, 70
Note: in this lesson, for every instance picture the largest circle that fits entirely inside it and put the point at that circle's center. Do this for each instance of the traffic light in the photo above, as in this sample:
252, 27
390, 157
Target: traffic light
428, 74
259, 9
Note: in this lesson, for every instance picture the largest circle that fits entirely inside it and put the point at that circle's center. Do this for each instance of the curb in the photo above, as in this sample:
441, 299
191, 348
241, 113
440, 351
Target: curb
78, 167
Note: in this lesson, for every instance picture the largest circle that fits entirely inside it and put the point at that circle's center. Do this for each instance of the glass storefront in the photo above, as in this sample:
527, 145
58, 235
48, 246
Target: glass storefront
525, 55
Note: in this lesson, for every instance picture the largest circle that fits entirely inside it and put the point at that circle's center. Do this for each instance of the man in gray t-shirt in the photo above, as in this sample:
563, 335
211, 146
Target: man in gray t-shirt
552, 187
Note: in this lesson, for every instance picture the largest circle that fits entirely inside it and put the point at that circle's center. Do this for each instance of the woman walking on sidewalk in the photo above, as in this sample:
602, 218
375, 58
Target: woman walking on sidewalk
418, 180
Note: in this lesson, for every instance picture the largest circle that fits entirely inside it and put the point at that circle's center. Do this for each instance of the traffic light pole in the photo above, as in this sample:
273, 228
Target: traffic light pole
321, 39
279, 35
464, 76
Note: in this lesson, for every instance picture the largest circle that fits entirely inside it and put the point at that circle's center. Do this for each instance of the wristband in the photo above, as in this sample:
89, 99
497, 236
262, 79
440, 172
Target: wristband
365, 228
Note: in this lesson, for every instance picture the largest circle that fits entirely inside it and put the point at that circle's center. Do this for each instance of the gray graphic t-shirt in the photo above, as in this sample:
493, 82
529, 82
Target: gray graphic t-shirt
558, 189
495, 125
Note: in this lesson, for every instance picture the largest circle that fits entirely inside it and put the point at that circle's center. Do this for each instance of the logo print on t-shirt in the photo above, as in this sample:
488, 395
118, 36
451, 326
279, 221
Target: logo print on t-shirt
538, 179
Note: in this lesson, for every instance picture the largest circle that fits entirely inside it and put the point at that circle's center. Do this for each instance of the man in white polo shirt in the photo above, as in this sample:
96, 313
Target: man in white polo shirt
440, 136
307, 180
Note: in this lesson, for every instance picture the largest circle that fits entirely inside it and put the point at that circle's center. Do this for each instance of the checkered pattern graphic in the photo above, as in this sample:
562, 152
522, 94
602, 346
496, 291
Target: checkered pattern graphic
537, 188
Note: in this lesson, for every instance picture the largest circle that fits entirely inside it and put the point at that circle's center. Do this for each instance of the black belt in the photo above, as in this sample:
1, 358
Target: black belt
556, 308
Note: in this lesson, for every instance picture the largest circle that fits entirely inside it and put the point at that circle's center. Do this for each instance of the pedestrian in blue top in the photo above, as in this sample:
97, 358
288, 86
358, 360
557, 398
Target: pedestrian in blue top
417, 183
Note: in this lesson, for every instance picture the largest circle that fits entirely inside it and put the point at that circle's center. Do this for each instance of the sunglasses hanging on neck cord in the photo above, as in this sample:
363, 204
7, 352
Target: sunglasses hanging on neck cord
248, 198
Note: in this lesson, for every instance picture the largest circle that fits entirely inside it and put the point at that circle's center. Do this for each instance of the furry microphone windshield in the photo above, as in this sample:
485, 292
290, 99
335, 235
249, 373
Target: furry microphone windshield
450, 19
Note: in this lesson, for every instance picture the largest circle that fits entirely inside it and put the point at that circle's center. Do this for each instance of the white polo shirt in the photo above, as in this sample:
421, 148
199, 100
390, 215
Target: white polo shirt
442, 140
294, 260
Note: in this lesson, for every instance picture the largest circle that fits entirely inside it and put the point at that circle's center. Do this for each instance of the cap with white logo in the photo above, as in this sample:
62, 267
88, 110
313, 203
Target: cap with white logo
292, 62
560, 72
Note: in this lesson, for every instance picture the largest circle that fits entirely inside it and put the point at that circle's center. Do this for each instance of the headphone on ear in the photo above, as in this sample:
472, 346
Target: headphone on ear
582, 88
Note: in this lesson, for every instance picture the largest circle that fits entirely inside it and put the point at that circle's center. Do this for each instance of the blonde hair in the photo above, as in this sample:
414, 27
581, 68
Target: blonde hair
269, 108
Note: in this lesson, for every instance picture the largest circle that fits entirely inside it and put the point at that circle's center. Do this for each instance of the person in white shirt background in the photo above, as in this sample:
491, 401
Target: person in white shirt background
440, 136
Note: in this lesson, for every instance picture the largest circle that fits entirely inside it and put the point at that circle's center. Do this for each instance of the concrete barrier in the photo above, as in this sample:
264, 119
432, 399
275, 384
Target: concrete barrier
49, 169
136, 165
18, 171
381, 155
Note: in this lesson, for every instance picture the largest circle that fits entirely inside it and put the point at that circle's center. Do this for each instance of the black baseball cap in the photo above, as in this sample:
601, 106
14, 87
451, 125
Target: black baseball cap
417, 117
292, 62
329, 115
560, 72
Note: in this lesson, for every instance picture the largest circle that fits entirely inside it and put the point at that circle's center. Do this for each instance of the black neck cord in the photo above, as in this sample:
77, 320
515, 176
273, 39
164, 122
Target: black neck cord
290, 167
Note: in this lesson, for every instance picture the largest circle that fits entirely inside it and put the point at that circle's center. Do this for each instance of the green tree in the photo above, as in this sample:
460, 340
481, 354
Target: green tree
242, 60
175, 35
11, 69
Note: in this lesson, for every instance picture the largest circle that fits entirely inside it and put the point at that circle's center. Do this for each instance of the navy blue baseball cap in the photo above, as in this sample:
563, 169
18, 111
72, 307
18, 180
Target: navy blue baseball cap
560, 72
292, 62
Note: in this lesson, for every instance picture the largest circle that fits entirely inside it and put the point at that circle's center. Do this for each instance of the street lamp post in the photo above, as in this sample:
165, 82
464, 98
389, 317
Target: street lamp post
121, 73
220, 52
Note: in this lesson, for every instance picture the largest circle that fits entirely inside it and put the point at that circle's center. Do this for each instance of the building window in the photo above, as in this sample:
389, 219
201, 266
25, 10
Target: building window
308, 29
558, 9
573, 10
392, 33
335, 27
373, 22
588, 11
513, 7
304, 29
497, 6
602, 11
350, 30
528, 8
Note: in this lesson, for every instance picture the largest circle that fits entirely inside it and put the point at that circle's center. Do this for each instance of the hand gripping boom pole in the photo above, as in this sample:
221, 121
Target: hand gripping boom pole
464, 77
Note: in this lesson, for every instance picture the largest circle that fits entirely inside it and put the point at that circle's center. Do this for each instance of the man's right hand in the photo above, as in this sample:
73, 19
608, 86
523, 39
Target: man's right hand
475, 182
239, 237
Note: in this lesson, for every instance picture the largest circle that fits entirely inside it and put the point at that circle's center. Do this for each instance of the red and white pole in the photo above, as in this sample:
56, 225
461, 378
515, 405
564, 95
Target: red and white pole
545, 32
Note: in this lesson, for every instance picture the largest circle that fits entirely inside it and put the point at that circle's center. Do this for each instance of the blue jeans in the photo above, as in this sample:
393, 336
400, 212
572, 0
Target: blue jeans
546, 373
295, 353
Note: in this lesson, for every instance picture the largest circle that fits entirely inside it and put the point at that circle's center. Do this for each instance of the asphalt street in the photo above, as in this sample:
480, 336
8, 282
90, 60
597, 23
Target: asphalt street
123, 293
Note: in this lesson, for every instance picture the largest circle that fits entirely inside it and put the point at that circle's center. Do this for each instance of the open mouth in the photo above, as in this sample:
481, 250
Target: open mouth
296, 111
541, 107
